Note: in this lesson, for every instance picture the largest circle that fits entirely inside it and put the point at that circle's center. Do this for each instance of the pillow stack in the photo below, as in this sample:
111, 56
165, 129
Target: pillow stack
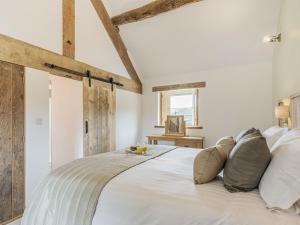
245, 160
270, 160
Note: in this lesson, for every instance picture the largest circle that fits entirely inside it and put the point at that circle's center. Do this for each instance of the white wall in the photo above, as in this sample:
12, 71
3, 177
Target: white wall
66, 120
235, 98
93, 44
287, 53
128, 119
36, 129
38, 22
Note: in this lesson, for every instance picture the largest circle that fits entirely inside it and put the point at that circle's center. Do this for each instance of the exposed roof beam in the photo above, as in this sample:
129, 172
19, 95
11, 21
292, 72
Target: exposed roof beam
24, 54
179, 86
147, 11
116, 39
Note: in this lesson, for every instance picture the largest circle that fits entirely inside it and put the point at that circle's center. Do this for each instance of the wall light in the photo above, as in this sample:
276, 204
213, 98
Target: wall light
282, 112
270, 38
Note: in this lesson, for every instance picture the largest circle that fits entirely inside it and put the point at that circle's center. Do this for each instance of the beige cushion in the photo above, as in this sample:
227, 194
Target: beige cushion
227, 144
224, 150
226, 141
209, 163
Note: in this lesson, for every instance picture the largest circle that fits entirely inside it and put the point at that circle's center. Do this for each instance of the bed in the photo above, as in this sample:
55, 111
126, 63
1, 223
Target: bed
157, 191
161, 192
146, 190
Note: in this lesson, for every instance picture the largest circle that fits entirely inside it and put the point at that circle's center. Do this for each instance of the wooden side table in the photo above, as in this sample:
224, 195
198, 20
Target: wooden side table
189, 142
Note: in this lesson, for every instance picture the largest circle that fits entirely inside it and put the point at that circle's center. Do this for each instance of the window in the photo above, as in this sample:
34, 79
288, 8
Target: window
179, 102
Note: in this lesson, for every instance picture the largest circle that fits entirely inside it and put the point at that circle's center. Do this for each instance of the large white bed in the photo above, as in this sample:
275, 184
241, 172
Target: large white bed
161, 192
156, 189
123, 189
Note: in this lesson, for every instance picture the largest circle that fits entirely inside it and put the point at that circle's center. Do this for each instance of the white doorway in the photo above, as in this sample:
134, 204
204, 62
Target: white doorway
66, 116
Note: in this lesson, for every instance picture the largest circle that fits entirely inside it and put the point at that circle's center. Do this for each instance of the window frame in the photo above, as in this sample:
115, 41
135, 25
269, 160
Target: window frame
164, 105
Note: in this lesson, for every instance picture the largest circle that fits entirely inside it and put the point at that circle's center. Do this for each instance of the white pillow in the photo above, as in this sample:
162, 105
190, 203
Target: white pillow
294, 210
288, 137
273, 134
280, 185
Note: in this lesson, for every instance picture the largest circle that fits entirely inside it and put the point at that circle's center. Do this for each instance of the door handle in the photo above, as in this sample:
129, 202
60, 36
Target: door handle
86, 127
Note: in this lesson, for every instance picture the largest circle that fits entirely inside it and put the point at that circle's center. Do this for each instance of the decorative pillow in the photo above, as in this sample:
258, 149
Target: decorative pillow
225, 145
280, 185
209, 163
244, 133
224, 150
255, 133
273, 134
246, 164
226, 141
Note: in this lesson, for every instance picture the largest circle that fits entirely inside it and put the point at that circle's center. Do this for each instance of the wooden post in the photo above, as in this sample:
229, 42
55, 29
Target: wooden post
69, 28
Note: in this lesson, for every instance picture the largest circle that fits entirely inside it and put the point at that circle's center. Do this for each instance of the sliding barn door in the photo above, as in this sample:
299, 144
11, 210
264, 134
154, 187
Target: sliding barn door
11, 141
99, 113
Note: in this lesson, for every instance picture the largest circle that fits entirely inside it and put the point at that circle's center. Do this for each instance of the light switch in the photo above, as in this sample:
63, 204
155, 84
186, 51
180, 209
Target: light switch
39, 121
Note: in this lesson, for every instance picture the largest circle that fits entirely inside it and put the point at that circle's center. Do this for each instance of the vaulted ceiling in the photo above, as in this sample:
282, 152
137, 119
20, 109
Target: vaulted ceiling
201, 36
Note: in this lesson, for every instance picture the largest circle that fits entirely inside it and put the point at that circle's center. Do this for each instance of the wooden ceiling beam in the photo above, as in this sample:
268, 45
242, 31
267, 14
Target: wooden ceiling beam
179, 86
24, 54
69, 28
150, 10
116, 39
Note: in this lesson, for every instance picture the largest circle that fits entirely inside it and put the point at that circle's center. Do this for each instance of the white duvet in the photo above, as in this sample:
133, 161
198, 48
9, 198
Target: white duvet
161, 192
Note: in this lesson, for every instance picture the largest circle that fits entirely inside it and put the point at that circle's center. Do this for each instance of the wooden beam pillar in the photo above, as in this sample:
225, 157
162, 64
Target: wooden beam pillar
147, 11
69, 28
116, 39
12, 189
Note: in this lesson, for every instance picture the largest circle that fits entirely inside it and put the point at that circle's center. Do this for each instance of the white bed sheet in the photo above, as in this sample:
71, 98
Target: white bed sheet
161, 192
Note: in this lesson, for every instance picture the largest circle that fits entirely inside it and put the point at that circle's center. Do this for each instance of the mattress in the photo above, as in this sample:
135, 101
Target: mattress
161, 192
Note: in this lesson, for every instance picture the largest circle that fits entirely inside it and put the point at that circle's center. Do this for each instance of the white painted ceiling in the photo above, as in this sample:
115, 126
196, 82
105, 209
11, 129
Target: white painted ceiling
201, 36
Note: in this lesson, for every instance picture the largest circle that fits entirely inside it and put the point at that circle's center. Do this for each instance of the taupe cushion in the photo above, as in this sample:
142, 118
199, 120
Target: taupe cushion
209, 163
224, 150
244, 133
255, 133
227, 144
226, 141
246, 164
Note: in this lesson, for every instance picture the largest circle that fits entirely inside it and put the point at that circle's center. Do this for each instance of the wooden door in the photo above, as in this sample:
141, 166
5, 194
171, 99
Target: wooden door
11, 141
99, 114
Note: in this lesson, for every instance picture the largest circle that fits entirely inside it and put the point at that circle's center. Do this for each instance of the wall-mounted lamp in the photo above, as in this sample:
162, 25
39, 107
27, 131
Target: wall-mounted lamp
270, 38
282, 113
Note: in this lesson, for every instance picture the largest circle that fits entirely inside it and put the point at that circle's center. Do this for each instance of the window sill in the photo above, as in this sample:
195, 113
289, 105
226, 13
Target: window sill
188, 127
